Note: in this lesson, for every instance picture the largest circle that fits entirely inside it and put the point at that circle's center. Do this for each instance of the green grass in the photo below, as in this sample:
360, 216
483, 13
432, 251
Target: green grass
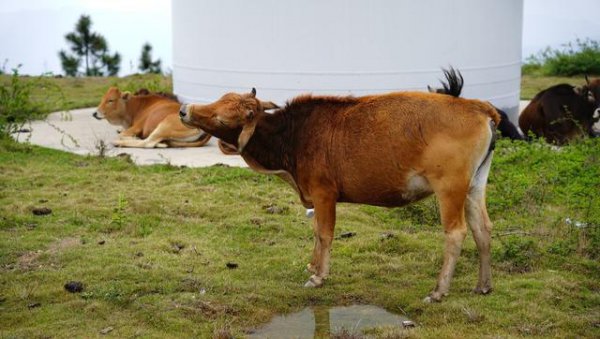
532, 84
169, 233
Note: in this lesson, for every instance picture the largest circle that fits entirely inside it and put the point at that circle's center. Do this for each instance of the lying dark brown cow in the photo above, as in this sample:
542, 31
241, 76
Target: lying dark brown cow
563, 112
384, 150
453, 86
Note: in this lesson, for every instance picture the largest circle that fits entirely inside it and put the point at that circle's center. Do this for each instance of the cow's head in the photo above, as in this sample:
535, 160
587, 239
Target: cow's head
232, 118
594, 92
113, 107
590, 93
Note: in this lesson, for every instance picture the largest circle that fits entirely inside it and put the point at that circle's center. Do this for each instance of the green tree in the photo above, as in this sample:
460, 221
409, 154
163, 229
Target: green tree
89, 48
146, 63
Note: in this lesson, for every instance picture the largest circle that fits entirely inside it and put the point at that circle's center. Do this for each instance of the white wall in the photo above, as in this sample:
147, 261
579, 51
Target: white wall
284, 48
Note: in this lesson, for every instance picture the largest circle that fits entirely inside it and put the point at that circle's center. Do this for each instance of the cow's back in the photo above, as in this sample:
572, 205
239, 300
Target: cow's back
156, 111
373, 148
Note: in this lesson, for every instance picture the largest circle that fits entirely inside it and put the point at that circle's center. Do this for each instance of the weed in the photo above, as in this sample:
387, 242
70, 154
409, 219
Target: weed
518, 253
101, 147
119, 216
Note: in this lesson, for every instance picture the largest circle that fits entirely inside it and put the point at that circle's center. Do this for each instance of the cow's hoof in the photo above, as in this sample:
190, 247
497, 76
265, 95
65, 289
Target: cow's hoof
314, 282
312, 269
482, 290
434, 297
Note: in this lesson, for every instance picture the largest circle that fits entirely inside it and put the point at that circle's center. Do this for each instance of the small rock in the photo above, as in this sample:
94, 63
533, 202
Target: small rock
177, 247
74, 286
408, 324
231, 265
347, 235
102, 242
41, 211
387, 235
106, 330
33, 305
274, 210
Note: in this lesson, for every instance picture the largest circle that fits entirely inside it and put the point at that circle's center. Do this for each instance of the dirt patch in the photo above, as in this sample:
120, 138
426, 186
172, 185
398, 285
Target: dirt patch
29, 260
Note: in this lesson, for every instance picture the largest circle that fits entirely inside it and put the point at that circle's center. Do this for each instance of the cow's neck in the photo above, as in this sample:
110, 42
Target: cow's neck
270, 149
134, 106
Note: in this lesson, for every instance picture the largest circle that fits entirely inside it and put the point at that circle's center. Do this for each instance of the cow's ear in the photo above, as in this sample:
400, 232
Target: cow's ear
126, 95
267, 105
246, 134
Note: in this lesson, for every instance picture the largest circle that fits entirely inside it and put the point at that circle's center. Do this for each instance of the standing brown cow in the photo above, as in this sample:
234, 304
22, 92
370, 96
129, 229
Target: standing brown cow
384, 150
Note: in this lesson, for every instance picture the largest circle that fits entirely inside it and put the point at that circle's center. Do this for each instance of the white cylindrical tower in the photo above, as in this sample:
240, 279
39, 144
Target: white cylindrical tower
286, 48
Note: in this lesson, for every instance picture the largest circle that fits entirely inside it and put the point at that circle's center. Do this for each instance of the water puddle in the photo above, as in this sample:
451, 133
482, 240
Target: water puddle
321, 321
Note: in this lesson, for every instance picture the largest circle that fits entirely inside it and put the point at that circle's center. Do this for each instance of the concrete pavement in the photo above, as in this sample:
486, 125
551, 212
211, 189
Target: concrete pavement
78, 132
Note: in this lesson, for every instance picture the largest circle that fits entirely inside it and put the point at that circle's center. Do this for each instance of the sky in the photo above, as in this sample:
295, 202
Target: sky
32, 31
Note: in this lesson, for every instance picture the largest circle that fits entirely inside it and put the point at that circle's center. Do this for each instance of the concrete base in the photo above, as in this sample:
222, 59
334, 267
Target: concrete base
78, 132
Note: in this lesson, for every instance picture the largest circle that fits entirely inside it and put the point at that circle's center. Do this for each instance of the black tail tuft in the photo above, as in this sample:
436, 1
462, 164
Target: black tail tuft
454, 83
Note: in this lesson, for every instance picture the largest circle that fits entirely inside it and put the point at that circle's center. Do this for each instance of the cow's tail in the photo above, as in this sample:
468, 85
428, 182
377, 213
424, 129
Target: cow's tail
453, 84
482, 171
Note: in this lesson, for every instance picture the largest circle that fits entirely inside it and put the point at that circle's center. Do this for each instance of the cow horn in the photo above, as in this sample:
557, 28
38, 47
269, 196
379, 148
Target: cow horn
587, 80
253, 93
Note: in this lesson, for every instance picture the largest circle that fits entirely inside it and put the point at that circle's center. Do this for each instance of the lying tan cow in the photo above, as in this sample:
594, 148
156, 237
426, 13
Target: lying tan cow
150, 120
384, 150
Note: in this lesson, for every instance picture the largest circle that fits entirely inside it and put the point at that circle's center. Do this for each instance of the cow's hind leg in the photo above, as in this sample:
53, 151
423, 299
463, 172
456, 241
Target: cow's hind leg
153, 140
324, 227
452, 203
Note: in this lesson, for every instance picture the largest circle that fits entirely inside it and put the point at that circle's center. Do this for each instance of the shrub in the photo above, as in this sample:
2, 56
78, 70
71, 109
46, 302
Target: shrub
581, 57
17, 104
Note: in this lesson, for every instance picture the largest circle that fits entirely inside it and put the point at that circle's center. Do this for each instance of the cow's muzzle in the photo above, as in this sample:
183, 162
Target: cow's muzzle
183, 112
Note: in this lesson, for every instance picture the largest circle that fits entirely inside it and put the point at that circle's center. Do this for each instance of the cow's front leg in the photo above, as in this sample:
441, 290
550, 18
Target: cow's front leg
131, 133
324, 225
313, 266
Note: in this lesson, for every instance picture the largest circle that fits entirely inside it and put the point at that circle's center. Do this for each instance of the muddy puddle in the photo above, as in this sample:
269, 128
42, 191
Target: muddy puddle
321, 321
